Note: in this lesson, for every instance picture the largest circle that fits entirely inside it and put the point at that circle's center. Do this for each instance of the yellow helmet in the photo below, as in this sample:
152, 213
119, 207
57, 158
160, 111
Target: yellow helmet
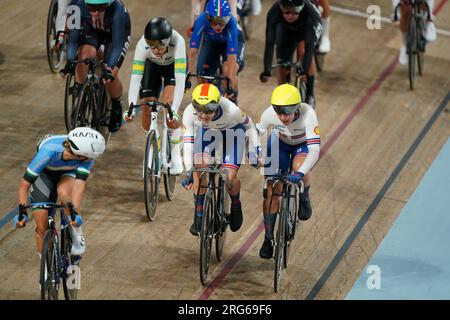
286, 99
205, 98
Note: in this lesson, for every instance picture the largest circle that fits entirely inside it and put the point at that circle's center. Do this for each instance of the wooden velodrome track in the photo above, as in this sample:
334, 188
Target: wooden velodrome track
368, 118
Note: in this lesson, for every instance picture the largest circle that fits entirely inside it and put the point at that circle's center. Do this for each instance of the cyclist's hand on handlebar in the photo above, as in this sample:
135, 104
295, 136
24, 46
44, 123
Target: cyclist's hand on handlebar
78, 220
108, 75
131, 116
173, 123
264, 77
188, 181
23, 222
296, 177
68, 68
187, 85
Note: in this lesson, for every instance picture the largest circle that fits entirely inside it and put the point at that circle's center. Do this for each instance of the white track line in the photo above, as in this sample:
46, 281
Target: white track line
357, 13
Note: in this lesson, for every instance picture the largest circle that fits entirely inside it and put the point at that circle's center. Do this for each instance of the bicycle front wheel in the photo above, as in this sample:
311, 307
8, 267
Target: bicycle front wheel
49, 271
412, 50
70, 99
151, 178
70, 272
54, 57
102, 115
420, 45
279, 246
220, 221
291, 224
170, 181
206, 235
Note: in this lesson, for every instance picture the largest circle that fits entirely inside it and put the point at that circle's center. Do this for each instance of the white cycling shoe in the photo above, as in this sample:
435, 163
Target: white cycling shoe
78, 242
176, 166
403, 56
325, 45
430, 32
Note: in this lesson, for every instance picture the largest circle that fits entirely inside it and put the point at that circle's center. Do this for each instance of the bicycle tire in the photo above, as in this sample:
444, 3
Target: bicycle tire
51, 36
66, 245
151, 179
70, 100
49, 276
104, 106
291, 225
420, 46
279, 247
170, 181
221, 223
206, 235
412, 50
300, 85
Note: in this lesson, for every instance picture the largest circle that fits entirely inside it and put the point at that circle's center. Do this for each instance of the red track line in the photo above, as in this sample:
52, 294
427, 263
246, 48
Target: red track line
217, 281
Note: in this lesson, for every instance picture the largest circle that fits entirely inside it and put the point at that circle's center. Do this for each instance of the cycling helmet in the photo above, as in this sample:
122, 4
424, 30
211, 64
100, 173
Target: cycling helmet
286, 99
86, 142
158, 32
205, 98
291, 5
99, 2
218, 11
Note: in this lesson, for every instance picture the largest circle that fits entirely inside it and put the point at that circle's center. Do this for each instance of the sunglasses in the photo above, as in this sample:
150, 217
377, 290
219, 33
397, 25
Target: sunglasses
285, 110
157, 44
97, 7
208, 108
291, 13
218, 21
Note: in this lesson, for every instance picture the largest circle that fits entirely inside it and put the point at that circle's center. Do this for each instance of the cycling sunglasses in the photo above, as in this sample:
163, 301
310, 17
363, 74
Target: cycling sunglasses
291, 9
286, 110
208, 108
221, 21
97, 7
158, 44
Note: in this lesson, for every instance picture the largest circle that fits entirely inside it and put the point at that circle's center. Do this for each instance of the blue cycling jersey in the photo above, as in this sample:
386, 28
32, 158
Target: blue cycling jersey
228, 35
114, 28
49, 157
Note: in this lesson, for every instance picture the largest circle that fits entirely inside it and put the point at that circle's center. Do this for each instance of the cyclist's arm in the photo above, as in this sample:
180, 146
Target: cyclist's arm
180, 71
188, 126
194, 44
23, 191
117, 34
266, 121
137, 72
232, 48
78, 193
61, 15
312, 140
271, 25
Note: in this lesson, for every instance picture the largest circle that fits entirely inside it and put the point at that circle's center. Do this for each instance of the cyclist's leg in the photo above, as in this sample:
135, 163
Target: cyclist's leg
175, 132
405, 12
325, 44
430, 33
150, 90
208, 60
304, 208
43, 190
65, 191
285, 49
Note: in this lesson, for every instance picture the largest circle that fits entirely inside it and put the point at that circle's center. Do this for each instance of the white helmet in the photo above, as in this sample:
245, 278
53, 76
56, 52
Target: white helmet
87, 142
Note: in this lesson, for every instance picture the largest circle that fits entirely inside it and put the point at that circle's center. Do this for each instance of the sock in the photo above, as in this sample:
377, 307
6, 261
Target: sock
198, 201
269, 224
310, 85
235, 200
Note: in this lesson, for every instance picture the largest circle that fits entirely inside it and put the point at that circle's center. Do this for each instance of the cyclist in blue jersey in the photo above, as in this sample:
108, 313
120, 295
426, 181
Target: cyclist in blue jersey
103, 22
60, 168
217, 32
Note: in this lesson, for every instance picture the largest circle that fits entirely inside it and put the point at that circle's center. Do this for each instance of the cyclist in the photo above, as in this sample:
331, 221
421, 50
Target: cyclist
60, 23
197, 8
217, 32
292, 24
160, 57
324, 8
294, 143
214, 120
104, 22
60, 168
405, 11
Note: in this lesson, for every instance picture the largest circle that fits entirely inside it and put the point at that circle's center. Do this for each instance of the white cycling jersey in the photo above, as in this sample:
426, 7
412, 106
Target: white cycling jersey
228, 116
176, 53
304, 128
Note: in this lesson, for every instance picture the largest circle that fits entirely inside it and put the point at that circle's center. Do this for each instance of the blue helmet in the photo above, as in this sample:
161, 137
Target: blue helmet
218, 11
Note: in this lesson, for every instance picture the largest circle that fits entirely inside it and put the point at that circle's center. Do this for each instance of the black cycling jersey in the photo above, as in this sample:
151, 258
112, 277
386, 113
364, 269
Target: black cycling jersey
307, 27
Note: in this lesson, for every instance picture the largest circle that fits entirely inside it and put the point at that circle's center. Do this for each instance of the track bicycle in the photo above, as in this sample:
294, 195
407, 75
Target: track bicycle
57, 263
55, 56
157, 159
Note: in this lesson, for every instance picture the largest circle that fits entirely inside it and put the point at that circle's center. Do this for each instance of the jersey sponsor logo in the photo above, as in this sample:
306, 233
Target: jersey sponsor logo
316, 130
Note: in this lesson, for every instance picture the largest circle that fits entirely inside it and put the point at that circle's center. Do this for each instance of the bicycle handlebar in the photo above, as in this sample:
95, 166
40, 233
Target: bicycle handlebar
213, 168
212, 78
93, 63
50, 205
298, 66
151, 104
283, 179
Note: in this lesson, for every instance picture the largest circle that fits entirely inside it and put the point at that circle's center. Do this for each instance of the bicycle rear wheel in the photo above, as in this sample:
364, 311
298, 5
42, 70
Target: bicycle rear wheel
420, 45
206, 235
279, 247
49, 271
84, 108
54, 57
170, 181
412, 50
70, 100
151, 179
102, 121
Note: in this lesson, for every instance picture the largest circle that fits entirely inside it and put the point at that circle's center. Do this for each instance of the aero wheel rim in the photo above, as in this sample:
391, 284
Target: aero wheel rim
206, 238
150, 176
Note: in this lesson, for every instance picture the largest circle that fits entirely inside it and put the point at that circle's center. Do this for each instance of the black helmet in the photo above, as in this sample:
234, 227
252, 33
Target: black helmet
158, 29
291, 5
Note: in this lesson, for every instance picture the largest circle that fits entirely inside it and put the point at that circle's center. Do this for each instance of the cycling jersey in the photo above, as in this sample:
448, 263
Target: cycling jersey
308, 26
49, 157
229, 35
114, 32
303, 129
175, 55
228, 117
